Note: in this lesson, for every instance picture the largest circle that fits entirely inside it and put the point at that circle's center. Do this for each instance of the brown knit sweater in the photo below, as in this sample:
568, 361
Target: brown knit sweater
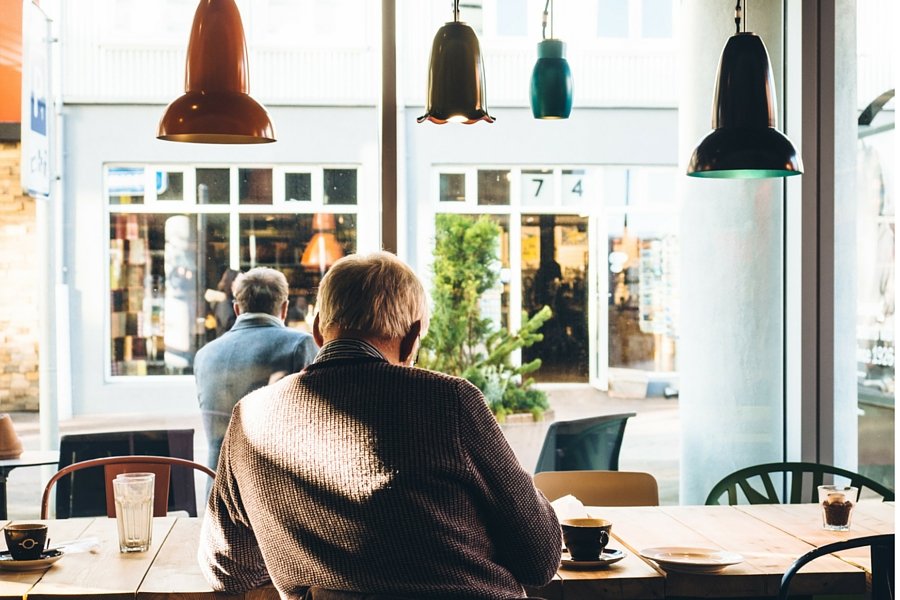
364, 476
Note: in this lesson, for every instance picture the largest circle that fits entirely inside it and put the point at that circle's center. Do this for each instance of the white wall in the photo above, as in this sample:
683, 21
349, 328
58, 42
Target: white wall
99, 134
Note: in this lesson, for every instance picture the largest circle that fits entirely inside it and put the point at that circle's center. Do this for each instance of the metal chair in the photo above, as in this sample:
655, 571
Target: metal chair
800, 480
114, 465
600, 488
881, 548
80, 494
583, 444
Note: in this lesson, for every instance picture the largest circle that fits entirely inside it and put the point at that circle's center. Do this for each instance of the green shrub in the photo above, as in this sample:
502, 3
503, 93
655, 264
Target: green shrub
459, 341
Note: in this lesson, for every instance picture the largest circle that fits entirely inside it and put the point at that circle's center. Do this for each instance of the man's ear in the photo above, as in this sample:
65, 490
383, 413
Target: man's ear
284, 310
408, 343
237, 309
317, 334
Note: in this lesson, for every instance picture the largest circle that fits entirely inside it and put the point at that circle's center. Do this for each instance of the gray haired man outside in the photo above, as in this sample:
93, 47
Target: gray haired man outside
257, 350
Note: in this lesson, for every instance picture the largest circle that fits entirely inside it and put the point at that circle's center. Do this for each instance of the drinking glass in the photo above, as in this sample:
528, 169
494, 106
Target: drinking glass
134, 510
837, 506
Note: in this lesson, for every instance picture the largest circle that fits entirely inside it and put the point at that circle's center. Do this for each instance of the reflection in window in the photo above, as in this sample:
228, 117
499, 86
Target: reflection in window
160, 266
452, 187
340, 186
169, 185
656, 19
493, 188
612, 18
213, 186
125, 185
255, 186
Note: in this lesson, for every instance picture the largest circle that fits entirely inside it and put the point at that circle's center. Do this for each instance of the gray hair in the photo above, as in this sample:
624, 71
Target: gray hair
261, 290
375, 295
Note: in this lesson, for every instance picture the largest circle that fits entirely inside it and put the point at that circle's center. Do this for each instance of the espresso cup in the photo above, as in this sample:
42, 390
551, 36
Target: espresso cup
585, 538
26, 541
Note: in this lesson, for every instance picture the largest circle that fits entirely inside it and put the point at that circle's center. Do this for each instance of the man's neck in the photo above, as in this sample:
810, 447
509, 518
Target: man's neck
390, 349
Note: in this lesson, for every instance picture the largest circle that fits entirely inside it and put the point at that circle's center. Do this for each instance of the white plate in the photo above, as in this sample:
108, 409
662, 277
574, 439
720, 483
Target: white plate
47, 558
608, 557
683, 559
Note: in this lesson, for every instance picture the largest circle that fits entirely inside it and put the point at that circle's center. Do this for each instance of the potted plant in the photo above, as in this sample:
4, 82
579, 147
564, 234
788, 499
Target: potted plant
460, 342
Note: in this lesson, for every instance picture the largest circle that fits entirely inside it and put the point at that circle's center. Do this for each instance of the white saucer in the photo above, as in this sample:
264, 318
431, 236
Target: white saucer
47, 558
608, 557
682, 559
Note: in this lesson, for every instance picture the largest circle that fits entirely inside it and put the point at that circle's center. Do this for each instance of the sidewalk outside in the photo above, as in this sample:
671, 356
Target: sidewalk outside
651, 442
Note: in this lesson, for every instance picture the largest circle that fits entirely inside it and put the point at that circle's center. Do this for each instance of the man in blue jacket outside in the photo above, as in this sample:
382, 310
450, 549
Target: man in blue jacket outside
258, 350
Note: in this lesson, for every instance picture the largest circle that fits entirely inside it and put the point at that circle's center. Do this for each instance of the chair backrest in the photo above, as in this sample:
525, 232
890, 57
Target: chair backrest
600, 488
114, 465
757, 485
881, 548
583, 444
80, 494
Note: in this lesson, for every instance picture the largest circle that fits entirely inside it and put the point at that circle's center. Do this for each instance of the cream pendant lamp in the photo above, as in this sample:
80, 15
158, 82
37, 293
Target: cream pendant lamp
744, 142
216, 107
551, 79
456, 90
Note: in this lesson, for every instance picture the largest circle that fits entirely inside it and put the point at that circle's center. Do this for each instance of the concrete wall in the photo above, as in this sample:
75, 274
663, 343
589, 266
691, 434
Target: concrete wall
19, 292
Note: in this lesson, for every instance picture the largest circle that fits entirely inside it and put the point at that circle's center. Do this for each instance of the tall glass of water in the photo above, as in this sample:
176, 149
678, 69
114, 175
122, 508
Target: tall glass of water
134, 510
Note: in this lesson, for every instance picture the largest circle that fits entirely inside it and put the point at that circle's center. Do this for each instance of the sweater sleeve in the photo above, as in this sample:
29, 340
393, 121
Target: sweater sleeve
522, 524
229, 555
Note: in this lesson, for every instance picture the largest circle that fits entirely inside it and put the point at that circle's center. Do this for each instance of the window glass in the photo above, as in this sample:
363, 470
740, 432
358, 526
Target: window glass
452, 187
554, 273
472, 13
298, 187
255, 186
612, 18
574, 187
537, 187
656, 18
160, 267
340, 186
303, 247
493, 188
125, 185
511, 17
876, 193
213, 186
170, 185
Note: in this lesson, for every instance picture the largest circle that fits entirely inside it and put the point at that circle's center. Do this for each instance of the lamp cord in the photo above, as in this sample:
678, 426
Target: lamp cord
549, 5
737, 17
455, 11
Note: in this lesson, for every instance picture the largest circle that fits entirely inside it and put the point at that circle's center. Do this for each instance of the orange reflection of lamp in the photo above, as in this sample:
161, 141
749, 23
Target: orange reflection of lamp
323, 249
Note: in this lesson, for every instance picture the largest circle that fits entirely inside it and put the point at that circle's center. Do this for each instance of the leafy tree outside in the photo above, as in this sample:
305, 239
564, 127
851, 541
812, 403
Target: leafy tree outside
460, 342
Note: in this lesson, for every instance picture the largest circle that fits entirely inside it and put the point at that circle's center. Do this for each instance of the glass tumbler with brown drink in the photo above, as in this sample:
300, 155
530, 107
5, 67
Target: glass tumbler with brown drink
837, 506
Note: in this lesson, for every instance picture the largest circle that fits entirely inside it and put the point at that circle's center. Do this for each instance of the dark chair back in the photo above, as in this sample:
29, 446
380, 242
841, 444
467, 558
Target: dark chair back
795, 482
583, 444
82, 493
881, 548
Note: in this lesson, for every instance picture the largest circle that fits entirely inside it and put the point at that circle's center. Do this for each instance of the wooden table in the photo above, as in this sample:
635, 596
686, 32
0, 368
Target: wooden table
769, 538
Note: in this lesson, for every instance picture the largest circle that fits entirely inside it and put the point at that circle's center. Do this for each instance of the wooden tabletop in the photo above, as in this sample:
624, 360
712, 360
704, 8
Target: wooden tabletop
769, 538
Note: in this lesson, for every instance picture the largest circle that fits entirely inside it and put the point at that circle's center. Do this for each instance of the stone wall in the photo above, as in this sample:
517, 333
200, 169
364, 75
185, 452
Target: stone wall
19, 274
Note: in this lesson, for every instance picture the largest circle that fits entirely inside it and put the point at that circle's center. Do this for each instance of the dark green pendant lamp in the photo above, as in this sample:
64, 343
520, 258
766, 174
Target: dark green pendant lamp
456, 90
744, 142
551, 79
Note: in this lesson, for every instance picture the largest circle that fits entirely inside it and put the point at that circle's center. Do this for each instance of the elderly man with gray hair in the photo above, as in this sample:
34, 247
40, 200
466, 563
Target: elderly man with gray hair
256, 350
364, 477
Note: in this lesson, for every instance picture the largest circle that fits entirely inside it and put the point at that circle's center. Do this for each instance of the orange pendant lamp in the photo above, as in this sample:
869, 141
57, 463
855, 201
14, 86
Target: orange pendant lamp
323, 248
216, 107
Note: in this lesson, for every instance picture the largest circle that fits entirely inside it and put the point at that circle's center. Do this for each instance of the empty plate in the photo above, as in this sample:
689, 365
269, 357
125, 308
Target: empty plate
684, 559
49, 557
606, 558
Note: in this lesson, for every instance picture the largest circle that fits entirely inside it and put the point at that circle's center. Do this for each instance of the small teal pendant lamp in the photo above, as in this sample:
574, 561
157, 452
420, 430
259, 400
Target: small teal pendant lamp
456, 89
744, 142
551, 79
